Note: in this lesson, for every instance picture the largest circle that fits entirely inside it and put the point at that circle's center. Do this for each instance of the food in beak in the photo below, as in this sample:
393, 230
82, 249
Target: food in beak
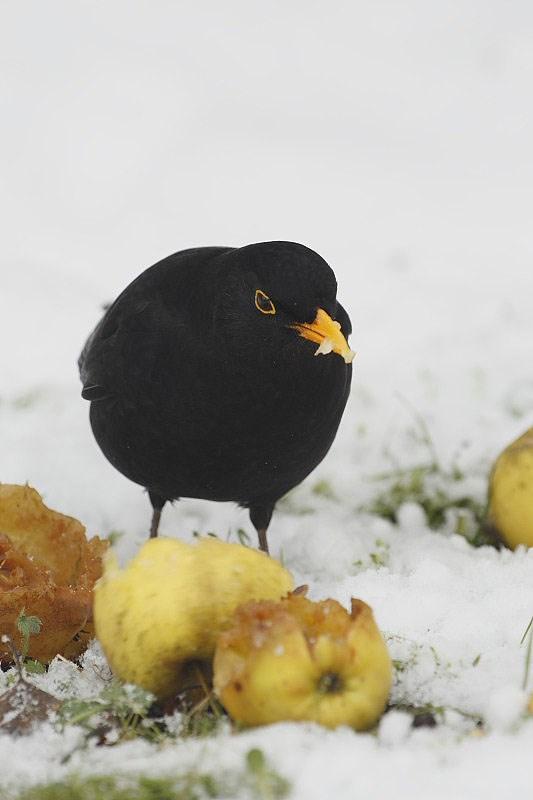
326, 332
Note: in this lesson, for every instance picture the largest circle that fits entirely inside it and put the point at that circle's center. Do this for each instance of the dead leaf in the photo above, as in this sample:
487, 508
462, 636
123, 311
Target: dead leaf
23, 706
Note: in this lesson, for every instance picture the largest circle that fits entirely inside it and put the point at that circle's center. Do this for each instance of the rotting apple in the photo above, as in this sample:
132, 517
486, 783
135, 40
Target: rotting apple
47, 569
303, 660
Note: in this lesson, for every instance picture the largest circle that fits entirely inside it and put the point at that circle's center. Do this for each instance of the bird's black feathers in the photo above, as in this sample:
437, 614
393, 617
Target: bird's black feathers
195, 393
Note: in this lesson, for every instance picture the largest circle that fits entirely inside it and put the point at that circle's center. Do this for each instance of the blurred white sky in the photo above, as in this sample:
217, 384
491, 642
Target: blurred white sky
394, 138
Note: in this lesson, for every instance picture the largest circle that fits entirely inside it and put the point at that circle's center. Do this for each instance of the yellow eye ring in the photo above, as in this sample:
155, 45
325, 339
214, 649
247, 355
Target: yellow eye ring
263, 303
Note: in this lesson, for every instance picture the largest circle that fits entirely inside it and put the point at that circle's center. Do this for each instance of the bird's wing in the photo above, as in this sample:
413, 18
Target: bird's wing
101, 360
122, 355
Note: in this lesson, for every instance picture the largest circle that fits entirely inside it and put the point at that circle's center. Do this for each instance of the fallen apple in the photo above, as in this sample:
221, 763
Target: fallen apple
511, 492
303, 660
47, 570
171, 602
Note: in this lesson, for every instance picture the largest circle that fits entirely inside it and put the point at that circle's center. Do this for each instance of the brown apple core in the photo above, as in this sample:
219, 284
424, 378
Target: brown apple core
330, 683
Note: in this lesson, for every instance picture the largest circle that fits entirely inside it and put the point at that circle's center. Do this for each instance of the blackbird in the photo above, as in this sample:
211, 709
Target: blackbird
203, 379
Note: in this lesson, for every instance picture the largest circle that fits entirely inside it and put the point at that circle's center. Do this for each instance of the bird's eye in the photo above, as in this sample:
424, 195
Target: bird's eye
263, 303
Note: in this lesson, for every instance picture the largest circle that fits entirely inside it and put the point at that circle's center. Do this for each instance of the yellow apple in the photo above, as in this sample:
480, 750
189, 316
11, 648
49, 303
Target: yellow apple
511, 492
300, 660
171, 602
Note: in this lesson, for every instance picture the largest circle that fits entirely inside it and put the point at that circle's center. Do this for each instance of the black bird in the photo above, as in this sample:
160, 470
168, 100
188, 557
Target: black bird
203, 379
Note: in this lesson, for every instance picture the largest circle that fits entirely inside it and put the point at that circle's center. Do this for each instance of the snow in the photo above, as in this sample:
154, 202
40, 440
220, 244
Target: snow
394, 728
395, 139
505, 707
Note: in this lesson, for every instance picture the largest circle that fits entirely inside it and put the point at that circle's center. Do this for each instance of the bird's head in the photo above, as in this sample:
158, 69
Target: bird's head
286, 293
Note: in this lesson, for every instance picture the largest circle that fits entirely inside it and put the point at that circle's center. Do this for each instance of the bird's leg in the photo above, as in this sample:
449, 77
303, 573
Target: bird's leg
263, 542
157, 504
154, 526
260, 517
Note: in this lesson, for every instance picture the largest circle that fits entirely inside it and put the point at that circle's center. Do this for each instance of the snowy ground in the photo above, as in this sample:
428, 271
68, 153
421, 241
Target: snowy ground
398, 145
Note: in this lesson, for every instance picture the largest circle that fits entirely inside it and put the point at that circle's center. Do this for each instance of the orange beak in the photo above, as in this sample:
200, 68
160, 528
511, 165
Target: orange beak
326, 332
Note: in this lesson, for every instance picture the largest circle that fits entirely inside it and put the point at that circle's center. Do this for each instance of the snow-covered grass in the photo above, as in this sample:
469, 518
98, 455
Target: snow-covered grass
363, 525
396, 140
